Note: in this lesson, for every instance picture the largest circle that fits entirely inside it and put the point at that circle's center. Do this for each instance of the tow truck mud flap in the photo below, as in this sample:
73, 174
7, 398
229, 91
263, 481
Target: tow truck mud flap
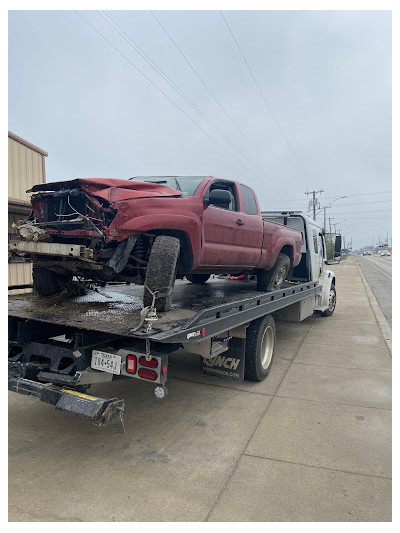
228, 365
100, 411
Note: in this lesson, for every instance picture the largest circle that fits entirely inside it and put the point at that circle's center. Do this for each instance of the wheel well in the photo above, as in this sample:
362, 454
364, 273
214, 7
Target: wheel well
186, 254
288, 250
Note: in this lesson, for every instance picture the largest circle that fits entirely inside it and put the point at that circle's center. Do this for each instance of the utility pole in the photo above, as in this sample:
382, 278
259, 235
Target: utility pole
314, 200
325, 208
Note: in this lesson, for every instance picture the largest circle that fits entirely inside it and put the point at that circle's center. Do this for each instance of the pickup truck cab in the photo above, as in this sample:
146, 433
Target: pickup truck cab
152, 230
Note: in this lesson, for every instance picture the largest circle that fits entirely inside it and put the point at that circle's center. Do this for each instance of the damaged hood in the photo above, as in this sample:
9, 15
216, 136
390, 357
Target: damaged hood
112, 190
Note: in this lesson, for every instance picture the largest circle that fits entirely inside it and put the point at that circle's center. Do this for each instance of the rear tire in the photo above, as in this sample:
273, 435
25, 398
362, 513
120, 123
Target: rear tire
271, 280
197, 278
161, 271
260, 347
46, 282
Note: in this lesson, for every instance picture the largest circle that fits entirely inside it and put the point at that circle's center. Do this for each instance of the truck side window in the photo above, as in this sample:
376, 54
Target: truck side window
315, 239
250, 206
321, 242
226, 186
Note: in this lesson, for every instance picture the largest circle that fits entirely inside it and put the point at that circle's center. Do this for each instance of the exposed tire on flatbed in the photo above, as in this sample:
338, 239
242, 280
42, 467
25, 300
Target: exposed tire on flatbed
260, 347
46, 282
271, 280
161, 272
197, 278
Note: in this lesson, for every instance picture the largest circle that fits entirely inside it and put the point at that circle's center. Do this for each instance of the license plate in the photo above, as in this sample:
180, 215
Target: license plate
107, 362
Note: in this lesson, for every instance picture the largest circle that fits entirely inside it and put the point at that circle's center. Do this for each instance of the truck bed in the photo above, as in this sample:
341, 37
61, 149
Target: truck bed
117, 309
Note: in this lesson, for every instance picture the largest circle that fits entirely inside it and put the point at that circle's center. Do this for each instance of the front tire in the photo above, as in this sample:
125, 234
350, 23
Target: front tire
332, 302
46, 282
260, 348
161, 272
271, 280
197, 278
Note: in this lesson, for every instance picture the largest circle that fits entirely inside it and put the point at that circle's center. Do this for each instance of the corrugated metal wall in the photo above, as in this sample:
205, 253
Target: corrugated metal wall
25, 169
19, 274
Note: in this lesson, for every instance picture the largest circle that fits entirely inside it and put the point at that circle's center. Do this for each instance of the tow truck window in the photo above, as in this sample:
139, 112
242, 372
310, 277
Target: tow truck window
250, 206
321, 242
315, 239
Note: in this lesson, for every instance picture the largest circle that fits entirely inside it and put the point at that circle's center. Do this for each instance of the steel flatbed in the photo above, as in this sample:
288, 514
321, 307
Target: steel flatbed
213, 308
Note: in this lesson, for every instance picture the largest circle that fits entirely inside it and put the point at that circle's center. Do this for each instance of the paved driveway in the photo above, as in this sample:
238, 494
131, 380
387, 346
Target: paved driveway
310, 443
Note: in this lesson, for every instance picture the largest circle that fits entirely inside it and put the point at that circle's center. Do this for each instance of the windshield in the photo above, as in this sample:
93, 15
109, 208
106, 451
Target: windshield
187, 184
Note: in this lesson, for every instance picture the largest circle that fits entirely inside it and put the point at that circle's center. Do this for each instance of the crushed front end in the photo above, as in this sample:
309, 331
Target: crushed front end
75, 230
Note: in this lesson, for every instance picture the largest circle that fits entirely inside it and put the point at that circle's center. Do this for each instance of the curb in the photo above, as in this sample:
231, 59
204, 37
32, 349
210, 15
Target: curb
383, 324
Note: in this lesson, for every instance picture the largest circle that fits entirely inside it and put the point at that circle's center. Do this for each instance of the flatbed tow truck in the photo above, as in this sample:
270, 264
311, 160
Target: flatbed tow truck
59, 347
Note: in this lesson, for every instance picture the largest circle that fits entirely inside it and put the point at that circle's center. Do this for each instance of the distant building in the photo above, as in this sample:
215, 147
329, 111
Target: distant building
26, 167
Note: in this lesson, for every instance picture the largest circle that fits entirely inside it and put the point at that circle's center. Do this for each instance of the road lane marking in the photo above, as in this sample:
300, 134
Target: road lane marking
373, 264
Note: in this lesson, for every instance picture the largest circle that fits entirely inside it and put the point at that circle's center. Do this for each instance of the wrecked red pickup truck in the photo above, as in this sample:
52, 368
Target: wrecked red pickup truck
151, 231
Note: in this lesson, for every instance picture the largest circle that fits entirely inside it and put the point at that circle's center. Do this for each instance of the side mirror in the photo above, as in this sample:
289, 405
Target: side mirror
219, 198
338, 245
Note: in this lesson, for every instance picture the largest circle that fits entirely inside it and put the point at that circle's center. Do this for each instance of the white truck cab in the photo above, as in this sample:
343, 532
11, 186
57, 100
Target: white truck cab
313, 264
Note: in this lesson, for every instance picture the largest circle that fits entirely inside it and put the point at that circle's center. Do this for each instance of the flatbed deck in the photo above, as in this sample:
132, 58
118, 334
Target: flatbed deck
215, 306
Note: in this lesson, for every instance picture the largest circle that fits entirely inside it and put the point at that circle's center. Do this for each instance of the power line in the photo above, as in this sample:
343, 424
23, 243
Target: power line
207, 88
163, 74
175, 104
361, 212
363, 218
164, 94
347, 196
265, 100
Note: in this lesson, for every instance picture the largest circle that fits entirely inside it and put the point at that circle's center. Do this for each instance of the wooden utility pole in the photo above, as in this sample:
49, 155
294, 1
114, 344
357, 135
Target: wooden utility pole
314, 200
325, 208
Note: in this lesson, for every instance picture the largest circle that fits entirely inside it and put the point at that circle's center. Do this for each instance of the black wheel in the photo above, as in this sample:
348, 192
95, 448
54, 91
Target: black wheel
260, 347
46, 282
332, 302
271, 280
197, 278
161, 271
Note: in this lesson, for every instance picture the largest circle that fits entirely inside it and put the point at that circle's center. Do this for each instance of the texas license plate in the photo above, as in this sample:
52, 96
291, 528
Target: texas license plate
107, 362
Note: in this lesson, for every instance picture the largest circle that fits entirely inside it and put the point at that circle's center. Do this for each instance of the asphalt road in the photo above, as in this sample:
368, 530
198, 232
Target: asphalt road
378, 273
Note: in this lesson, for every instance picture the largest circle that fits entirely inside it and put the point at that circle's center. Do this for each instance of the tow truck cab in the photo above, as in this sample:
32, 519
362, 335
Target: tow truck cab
313, 263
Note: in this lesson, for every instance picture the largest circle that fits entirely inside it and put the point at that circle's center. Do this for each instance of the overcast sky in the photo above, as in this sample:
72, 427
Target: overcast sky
313, 112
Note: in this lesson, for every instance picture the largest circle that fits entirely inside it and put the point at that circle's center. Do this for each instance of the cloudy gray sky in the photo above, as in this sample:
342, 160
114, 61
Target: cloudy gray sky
313, 112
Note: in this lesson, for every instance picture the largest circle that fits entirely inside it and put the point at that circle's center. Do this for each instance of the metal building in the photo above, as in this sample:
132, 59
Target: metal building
26, 167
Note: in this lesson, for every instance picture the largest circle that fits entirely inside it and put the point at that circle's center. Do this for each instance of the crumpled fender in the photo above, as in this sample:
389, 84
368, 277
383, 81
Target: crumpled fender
147, 223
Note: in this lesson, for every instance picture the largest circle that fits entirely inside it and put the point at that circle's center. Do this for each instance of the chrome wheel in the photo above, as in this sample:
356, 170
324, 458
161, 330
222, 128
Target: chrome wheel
267, 347
332, 300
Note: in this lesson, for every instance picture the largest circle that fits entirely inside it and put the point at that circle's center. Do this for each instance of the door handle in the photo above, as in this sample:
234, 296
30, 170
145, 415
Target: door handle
239, 222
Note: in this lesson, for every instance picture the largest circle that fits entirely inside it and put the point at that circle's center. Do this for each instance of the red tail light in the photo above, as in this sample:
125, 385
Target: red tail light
131, 364
153, 363
147, 374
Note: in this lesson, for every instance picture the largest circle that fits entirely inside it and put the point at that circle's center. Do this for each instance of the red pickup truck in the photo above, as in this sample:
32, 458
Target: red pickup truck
151, 231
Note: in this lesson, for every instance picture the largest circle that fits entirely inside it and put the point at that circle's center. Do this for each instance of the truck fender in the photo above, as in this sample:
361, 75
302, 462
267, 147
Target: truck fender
326, 280
186, 224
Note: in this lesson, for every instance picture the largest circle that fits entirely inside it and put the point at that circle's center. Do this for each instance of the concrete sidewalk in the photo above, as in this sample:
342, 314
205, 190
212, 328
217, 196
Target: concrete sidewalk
310, 443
